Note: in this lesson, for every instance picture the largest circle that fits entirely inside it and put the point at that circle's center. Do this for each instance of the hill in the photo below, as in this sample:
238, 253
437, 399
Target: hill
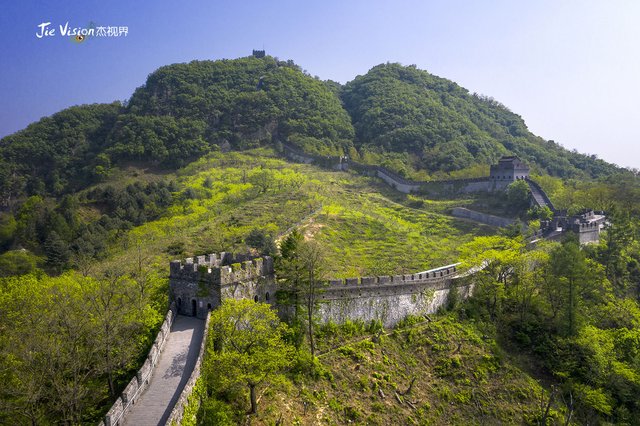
439, 372
439, 125
106, 250
405, 118
97, 199
182, 112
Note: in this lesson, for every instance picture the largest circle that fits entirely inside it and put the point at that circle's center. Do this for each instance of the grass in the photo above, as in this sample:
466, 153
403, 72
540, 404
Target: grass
459, 377
366, 227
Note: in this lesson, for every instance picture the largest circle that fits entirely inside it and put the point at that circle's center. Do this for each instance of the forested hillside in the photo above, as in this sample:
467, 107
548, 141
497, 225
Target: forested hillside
439, 125
56, 154
405, 118
182, 112
97, 199
83, 281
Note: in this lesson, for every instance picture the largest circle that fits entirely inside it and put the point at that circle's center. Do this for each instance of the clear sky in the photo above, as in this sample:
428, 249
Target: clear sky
570, 68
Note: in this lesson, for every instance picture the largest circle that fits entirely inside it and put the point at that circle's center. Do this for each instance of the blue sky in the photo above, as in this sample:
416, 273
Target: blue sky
570, 68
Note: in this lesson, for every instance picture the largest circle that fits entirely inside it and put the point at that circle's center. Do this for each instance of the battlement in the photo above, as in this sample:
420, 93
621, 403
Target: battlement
390, 298
200, 284
430, 276
221, 268
585, 226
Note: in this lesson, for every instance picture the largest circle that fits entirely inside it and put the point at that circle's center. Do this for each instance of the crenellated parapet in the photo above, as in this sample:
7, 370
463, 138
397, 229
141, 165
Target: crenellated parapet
434, 279
585, 226
200, 284
222, 268
431, 276
390, 298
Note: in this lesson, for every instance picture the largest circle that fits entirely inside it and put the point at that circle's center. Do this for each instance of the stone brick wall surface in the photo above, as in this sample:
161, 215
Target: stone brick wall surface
482, 217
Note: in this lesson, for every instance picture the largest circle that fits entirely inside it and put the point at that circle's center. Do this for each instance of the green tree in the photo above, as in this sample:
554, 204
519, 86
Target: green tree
574, 283
499, 259
542, 213
64, 342
246, 347
568, 266
50, 347
262, 241
117, 316
616, 251
7, 229
518, 194
18, 262
301, 269
29, 219
57, 251
262, 179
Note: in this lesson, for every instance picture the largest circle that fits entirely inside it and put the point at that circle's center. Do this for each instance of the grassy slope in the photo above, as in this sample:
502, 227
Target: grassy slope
367, 228
462, 378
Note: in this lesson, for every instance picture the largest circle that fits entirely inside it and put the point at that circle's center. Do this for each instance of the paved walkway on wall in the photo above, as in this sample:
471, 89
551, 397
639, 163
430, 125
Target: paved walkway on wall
171, 374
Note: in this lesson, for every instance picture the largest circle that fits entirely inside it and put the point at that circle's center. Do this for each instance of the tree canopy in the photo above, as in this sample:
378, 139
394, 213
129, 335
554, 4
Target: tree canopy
441, 126
246, 347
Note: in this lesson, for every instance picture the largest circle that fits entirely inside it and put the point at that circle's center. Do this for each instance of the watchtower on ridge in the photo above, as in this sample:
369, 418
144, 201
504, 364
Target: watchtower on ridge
508, 170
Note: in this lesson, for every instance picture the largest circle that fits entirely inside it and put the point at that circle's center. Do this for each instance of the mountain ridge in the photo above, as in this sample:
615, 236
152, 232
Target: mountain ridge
401, 117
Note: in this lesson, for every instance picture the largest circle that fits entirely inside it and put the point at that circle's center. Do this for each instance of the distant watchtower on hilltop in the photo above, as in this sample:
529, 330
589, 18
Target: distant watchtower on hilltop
258, 53
508, 170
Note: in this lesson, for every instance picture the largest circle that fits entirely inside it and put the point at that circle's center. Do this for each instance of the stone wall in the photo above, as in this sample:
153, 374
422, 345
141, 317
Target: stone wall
397, 182
390, 299
178, 410
116, 414
456, 186
482, 217
540, 198
587, 232
477, 185
198, 285
389, 307
385, 298
393, 179
296, 154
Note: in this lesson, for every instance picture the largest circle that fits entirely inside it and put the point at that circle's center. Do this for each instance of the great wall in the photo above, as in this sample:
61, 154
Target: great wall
509, 169
199, 285
159, 392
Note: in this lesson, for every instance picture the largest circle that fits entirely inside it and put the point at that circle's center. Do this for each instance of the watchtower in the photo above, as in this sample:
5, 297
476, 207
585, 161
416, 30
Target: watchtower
587, 226
508, 170
198, 285
258, 53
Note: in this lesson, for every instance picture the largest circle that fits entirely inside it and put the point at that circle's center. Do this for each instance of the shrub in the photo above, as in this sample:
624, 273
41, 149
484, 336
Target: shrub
216, 413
